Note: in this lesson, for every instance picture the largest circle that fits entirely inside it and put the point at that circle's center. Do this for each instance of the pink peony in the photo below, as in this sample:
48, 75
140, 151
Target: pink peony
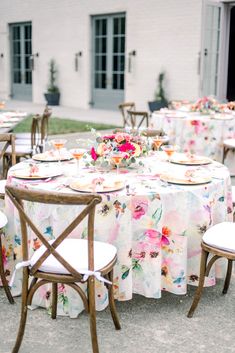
94, 155
127, 147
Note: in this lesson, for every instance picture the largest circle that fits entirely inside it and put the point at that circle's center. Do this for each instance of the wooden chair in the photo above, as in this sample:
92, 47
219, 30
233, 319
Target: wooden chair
45, 127
144, 132
25, 149
6, 141
219, 242
138, 118
63, 260
3, 223
228, 145
123, 109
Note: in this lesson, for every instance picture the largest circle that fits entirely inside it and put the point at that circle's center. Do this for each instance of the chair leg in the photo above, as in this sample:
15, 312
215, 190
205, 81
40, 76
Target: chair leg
24, 311
54, 300
198, 292
228, 276
112, 305
92, 314
3, 277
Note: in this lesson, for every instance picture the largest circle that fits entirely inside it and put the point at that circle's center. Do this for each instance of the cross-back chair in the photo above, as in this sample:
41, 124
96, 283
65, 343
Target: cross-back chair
45, 127
64, 260
26, 148
137, 118
228, 145
3, 223
219, 242
123, 107
6, 141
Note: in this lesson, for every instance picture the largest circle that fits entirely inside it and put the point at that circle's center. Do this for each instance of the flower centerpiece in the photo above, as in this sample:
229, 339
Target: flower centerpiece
205, 105
129, 145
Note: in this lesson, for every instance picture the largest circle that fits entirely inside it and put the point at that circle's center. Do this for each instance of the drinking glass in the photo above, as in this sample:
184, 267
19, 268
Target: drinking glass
116, 158
169, 150
78, 153
158, 141
58, 145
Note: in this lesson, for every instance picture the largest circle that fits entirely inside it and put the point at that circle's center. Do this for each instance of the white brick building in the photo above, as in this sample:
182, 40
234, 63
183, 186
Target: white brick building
165, 35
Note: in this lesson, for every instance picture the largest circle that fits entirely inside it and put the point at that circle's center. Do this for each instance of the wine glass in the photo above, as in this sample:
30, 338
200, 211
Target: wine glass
116, 158
58, 145
78, 153
158, 141
169, 150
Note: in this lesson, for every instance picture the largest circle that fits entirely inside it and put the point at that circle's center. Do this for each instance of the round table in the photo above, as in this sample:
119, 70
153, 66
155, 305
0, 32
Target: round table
156, 226
195, 133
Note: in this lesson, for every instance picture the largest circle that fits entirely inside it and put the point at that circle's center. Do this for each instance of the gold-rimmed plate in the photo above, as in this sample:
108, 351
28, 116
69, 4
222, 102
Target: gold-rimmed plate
81, 186
197, 180
190, 160
41, 174
51, 157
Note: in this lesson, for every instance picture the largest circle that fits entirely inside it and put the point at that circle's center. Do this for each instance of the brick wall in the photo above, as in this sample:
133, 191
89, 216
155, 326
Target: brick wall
165, 33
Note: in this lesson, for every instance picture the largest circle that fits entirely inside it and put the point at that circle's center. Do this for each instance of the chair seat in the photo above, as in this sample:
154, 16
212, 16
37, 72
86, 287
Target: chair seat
75, 252
23, 135
20, 149
25, 141
2, 186
221, 236
229, 143
3, 220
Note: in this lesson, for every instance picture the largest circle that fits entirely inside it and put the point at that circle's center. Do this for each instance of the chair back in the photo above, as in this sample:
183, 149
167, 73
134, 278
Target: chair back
123, 107
137, 118
17, 195
7, 140
36, 132
45, 126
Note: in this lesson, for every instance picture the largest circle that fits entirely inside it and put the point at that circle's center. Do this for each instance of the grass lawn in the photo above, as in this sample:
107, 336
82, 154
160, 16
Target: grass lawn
59, 126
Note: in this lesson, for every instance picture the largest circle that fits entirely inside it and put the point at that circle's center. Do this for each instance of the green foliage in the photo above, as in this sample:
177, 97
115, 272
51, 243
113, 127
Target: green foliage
52, 88
63, 126
160, 94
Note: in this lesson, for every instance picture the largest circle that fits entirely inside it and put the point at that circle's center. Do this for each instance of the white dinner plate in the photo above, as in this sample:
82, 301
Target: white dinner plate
97, 184
197, 180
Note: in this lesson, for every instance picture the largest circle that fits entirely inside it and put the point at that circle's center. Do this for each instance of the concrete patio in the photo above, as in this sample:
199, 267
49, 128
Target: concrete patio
148, 325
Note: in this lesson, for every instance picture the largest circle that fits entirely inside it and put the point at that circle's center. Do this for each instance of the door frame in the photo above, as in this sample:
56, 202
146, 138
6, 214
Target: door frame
10, 26
223, 46
92, 49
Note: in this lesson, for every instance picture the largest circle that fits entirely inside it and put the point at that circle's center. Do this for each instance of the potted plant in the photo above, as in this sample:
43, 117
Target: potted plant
160, 97
53, 94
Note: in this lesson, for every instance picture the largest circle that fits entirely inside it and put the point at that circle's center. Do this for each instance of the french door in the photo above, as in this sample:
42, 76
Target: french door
21, 51
211, 48
108, 61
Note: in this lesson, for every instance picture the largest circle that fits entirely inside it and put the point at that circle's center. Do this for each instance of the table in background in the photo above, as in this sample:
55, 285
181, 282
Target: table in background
9, 120
157, 228
198, 134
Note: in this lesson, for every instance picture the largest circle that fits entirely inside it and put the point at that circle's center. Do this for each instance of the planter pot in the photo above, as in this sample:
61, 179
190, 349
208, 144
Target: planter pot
156, 105
52, 98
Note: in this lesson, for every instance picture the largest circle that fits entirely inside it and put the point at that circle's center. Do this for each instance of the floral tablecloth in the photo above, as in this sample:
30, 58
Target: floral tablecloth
200, 134
156, 227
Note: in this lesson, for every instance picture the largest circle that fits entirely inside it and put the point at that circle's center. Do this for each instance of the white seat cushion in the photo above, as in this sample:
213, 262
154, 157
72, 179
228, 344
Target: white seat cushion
233, 194
20, 149
230, 143
3, 220
23, 135
2, 186
221, 236
75, 252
